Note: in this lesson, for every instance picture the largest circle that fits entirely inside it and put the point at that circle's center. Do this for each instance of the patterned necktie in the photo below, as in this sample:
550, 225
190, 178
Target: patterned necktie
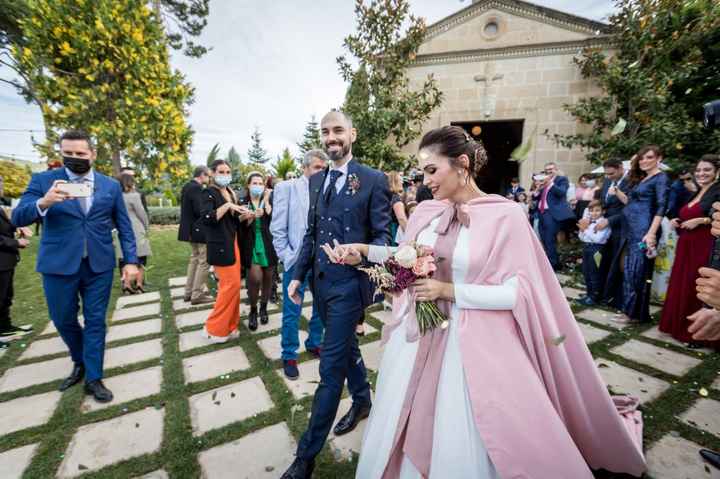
84, 201
329, 192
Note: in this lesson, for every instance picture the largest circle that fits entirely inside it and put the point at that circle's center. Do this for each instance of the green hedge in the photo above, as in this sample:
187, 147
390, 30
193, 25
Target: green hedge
164, 216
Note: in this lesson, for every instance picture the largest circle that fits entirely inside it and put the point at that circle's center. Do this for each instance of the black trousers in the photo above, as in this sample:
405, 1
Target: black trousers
6, 297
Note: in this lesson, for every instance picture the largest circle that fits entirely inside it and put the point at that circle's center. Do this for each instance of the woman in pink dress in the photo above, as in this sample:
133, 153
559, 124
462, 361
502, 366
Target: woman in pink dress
509, 389
693, 251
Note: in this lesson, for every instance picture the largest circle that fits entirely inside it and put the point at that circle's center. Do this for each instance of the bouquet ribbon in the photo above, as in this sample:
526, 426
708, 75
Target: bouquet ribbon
414, 434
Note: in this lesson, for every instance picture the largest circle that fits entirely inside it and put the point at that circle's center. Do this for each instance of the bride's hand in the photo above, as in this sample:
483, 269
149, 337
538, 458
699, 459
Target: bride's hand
432, 289
343, 254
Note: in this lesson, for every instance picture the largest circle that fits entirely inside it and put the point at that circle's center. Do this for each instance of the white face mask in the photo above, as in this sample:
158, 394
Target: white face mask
223, 180
589, 183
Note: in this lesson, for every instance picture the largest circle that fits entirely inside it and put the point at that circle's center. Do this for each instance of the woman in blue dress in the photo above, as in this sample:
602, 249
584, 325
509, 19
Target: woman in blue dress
646, 203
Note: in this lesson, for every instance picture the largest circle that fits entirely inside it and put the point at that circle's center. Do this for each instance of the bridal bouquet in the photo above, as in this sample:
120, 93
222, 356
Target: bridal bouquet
397, 273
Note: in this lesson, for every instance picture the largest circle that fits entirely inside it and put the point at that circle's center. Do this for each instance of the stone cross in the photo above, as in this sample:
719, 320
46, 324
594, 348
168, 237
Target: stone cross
487, 79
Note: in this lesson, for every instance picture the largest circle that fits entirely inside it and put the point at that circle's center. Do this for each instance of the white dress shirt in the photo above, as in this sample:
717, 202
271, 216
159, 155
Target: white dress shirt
340, 182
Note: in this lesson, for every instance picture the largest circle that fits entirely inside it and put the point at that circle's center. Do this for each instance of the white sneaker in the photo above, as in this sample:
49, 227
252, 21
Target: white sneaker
235, 334
214, 339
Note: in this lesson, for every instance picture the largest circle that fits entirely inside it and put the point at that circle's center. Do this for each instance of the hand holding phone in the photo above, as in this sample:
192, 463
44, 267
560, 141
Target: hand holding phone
75, 190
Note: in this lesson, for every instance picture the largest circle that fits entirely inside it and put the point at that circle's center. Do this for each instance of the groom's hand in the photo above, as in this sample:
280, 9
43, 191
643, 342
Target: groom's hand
293, 292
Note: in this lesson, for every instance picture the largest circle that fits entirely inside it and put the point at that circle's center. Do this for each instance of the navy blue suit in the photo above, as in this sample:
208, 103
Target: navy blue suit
359, 213
556, 212
76, 259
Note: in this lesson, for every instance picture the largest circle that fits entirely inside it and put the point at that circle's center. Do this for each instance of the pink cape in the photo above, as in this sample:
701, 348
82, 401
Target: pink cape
540, 405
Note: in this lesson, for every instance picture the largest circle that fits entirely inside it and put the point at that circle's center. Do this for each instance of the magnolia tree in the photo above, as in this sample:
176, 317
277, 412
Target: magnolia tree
386, 111
664, 66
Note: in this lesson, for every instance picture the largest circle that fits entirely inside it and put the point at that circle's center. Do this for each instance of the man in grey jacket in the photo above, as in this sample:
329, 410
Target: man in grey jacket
290, 213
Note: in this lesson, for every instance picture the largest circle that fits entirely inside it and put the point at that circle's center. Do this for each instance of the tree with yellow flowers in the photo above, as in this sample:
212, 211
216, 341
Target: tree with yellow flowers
103, 66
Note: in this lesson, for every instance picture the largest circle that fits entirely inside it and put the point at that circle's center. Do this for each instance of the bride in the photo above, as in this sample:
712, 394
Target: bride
509, 389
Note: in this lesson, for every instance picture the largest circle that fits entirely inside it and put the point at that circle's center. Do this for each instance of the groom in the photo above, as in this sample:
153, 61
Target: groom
349, 203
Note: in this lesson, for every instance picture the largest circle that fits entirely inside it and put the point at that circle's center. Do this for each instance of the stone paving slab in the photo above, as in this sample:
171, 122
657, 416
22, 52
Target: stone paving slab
272, 348
178, 292
51, 329
228, 404
274, 322
369, 328
307, 383
601, 317
134, 329
344, 446
44, 347
263, 454
214, 364
716, 383
677, 458
192, 340
38, 373
29, 411
384, 316
100, 444
705, 415
133, 353
654, 309
659, 358
14, 462
192, 319
137, 312
178, 281
655, 333
128, 387
591, 334
182, 305
133, 299
628, 381
563, 278
159, 474
372, 354
572, 293
307, 312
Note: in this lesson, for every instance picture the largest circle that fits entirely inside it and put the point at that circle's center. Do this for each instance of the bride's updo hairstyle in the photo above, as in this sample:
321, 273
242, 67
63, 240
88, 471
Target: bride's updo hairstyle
453, 141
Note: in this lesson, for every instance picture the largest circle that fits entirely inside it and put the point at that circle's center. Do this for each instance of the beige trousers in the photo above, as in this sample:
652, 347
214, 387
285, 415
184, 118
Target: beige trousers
197, 271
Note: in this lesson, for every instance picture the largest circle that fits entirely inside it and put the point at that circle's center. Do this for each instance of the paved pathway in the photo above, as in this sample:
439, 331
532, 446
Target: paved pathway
231, 394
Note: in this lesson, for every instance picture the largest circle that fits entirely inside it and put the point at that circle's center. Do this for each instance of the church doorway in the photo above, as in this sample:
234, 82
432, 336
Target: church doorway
500, 139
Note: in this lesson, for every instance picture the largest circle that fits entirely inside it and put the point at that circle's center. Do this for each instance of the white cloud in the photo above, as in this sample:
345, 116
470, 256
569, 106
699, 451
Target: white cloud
272, 65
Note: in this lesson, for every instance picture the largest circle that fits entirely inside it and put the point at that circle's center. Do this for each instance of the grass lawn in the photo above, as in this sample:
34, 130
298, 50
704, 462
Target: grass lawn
178, 453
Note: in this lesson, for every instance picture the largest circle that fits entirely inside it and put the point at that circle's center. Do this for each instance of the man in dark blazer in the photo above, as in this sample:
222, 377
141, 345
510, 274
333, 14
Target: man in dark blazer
76, 256
349, 203
553, 211
9, 257
610, 271
191, 230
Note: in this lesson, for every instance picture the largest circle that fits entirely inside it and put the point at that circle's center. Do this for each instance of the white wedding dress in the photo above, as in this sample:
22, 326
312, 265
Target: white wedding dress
458, 451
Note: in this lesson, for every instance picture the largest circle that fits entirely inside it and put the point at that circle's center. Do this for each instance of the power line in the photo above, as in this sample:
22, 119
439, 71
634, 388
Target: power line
18, 130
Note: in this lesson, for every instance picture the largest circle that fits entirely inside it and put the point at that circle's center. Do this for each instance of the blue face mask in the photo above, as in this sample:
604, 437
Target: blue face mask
223, 180
256, 190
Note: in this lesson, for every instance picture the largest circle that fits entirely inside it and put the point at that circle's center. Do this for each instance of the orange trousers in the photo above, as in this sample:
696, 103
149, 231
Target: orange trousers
225, 316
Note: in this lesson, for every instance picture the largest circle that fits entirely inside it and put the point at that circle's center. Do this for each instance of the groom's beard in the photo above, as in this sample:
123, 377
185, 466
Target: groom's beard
338, 154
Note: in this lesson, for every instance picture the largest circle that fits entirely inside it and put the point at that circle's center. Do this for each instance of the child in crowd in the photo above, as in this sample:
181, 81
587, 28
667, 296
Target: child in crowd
593, 240
522, 198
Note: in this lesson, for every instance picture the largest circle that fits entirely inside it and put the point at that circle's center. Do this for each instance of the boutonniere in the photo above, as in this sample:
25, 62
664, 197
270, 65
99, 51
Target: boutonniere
353, 183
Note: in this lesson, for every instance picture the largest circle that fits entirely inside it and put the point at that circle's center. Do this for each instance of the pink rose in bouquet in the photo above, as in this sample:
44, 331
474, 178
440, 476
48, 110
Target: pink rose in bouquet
424, 266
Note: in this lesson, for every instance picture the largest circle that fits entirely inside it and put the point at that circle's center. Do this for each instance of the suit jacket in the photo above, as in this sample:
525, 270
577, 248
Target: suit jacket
9, 250
67, 231
365, 219
612, 205
291, 201
711, 196
220, 235
191, 208
557, 205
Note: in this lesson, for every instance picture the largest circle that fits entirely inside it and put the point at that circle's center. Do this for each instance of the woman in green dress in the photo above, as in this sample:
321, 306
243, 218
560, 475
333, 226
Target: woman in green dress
258, 255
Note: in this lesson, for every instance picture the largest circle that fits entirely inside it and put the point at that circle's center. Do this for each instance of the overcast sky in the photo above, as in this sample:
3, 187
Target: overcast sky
272, 65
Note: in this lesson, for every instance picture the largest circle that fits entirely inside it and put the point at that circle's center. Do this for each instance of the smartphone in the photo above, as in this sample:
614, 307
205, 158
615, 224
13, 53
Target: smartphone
75, 190
540, 177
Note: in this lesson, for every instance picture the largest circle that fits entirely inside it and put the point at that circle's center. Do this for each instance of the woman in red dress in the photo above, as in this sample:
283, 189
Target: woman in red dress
693, 251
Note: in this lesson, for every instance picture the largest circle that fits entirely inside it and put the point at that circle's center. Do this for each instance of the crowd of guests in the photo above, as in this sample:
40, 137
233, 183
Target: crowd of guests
618, 216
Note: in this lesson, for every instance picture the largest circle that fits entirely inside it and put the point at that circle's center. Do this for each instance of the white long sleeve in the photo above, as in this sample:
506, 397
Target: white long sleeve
378, 254
491, 297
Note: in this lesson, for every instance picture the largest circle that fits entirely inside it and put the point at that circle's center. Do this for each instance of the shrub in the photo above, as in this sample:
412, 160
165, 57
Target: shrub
164, 216
15, 178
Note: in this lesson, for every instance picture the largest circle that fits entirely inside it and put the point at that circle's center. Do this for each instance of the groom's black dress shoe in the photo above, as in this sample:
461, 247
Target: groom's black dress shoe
300, 469
711, 456
98, 390
350, 420
75, 377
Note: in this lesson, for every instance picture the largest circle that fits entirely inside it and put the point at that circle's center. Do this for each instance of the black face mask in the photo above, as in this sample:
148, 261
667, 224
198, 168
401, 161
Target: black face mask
79, 166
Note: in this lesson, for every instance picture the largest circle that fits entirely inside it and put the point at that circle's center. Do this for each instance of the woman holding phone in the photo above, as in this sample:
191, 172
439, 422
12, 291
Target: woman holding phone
222, 216
259, 255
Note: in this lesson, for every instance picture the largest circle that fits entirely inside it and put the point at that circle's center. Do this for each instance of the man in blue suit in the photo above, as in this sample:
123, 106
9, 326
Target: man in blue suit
291, 202
349, 203
76, 256
553, 210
